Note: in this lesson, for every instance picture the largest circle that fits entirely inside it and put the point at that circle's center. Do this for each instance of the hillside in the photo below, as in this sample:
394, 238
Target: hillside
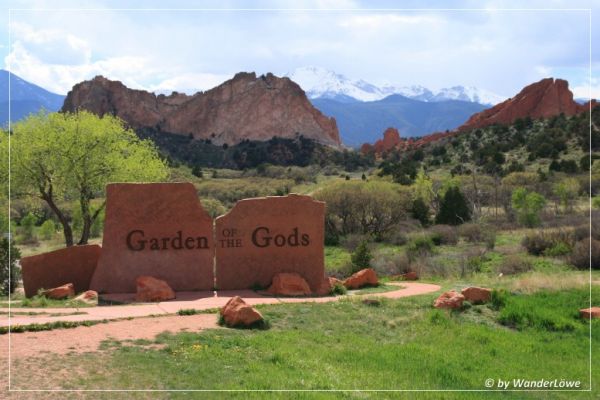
361, 122
25, 98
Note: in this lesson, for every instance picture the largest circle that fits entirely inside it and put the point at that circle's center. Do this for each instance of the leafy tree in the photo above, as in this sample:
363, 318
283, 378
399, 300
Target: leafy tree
528, 206
423, 187
566, 190
361, 257
47, 229
68, 156
8, 266
197, 171
454, 209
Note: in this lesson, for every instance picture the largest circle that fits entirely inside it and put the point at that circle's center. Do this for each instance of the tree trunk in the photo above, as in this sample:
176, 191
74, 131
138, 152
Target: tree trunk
67, 231
88, 218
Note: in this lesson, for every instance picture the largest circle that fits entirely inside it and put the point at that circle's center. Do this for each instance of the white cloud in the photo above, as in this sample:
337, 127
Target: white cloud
591, 89
189, 83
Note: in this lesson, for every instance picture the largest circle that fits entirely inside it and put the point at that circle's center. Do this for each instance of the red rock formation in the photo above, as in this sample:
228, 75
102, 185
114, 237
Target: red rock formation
61, 292
449, 300
589, 313
152, 289
391, 138
289, 284
245, 107
364, 277
542, 99
237, 313
477, 294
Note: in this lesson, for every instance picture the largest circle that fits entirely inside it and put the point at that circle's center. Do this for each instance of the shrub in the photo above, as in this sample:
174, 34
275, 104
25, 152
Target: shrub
419, 246
338, 288
596, 202
213, 207
361, 257
477, 233
580, 257
396, 238
558, 249
48, 229
514, 264
454, 209
352, 241
390, 264
420, 211
446, 234
8, 267
539, 242
28, 227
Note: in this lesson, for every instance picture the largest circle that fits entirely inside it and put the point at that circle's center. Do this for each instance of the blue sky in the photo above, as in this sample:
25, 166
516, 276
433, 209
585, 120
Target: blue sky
500, 51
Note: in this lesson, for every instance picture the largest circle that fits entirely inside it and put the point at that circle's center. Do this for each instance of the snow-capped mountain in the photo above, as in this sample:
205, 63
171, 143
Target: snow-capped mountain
320, 83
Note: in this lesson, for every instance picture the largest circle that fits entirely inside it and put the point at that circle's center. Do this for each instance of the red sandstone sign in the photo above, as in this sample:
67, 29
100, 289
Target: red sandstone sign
155, 229
261, 237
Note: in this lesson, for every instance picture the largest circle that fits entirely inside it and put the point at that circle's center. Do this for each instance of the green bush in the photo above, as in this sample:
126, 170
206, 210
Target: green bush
28, 228
538, 243
420, 245
420, 211
213, 207
8, 266
361, 257
48, 229
528, 206
338, 288
454, 209
559, 249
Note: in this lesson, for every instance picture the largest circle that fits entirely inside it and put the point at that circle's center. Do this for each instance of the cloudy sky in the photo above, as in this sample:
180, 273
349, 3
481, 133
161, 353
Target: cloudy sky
187, 50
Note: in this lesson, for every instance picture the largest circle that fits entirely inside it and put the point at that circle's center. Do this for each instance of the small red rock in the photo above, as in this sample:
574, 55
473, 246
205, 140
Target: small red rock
477, 294
237, 313
364, 277
410, 276
289, 284
450, 300
60, 292
152, 289
589, 313
89, 297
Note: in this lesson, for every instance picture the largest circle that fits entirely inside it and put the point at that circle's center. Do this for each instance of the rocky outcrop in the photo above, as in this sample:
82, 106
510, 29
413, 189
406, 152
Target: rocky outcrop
391, 138
289, 284
362, 278
237, 313
152, 289
449, 300
542, 99
60, 292
477, 295
245, 107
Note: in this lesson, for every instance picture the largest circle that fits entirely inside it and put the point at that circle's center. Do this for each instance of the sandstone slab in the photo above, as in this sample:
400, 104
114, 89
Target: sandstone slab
75, 264
155, 229
590, 313
262, 237
477, 294
449, 300
61, 292
152, 289
237, 313
364, 277
289, 284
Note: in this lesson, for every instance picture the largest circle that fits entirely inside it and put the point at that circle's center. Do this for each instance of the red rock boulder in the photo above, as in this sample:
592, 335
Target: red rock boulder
237, 313
449, 300
88, 297
477, 294
410, 276
364, 277
60, 292
289, 284
589, 313
152, 289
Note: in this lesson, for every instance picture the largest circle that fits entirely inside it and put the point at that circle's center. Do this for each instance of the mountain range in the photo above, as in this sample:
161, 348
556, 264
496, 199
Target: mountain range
25, 98
320, 83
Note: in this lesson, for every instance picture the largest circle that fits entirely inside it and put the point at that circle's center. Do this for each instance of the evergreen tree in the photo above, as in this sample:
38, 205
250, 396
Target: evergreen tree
361, 257
454, 209
420, 211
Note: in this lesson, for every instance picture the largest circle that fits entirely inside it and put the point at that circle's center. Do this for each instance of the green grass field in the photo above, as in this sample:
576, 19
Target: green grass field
401, 344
